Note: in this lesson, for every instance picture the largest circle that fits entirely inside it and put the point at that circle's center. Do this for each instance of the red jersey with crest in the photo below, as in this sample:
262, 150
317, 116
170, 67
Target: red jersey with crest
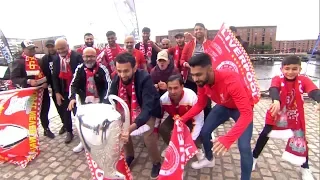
228, 90
188, 99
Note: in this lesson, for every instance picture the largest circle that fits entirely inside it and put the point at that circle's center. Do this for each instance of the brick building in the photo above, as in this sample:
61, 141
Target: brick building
257, 36
295, 46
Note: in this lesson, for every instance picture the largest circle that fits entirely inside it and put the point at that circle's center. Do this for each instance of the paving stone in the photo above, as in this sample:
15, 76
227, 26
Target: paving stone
57, 161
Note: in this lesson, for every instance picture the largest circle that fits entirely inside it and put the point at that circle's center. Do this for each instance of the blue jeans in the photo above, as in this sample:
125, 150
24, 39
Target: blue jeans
219, 115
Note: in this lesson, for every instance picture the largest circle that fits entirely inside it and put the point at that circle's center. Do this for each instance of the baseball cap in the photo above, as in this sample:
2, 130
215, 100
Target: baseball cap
178, 35
50, 42
28, 44
163, 55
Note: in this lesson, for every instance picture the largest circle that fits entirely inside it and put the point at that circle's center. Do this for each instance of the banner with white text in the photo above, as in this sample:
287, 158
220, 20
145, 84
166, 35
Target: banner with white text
228, 53
19, 120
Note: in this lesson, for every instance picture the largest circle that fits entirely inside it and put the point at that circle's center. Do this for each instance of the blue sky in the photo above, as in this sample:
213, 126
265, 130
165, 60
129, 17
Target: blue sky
296, 19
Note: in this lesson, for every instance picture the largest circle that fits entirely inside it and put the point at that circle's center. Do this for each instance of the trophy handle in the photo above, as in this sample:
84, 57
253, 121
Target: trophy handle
124, 105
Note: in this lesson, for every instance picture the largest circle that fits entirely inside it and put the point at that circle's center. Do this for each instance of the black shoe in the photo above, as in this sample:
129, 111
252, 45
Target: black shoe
62, 130
48, 133
68, 138
155, 171
129, 160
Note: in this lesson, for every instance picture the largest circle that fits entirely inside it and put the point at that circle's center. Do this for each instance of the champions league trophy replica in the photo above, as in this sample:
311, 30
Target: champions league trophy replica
99, 126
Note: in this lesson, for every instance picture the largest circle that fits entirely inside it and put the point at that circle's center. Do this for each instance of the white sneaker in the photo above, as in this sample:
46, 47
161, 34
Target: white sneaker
163, 153
306, 174
255, 160
78, 148
203, 163
200, 155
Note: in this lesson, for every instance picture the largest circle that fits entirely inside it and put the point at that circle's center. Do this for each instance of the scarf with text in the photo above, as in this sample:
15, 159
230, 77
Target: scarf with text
291, 116
91, 88
176, 57
33, 69
180, 150
132, 103
109, 57
65, 70
147, 53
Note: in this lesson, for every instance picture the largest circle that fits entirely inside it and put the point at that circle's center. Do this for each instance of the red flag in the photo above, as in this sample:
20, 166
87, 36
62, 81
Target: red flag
97, 173
19, 120
181, 148
228, 53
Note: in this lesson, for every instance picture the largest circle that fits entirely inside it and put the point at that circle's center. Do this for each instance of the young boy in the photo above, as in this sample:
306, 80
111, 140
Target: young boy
285, 118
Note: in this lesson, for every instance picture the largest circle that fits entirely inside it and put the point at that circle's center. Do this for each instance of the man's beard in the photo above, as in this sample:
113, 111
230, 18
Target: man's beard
202, 83
128, 81
89, 44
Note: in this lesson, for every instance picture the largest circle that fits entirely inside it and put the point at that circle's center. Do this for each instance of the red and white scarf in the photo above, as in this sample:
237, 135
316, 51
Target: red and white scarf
91, 88
147, 53
133, 104
33, 69
65, 70
290, 123
176, 57
106, 57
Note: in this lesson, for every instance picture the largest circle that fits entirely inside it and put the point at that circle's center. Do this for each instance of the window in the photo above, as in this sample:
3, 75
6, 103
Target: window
262, 38
270, 38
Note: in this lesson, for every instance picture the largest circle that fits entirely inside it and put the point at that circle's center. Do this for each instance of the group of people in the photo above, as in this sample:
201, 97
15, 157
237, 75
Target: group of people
158, 82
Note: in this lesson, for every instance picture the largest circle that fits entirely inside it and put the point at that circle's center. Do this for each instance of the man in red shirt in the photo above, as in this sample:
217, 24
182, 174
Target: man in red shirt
233, 99
88, 42
110, 52
176, 51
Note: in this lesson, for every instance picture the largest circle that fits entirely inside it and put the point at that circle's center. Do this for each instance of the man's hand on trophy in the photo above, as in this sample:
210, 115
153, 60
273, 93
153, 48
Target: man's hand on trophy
124, 136
71, 104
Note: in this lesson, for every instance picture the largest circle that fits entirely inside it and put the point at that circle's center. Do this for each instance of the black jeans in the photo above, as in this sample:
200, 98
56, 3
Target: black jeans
262, 141
59, 109
45, 109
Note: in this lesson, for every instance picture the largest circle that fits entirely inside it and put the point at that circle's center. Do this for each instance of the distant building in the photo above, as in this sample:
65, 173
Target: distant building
257, 37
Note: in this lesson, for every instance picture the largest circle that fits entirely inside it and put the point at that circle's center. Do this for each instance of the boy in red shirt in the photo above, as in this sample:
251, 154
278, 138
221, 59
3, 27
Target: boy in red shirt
233, 99
285, 118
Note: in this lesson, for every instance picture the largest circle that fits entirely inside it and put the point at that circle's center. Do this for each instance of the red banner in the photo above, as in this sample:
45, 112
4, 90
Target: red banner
19, 120
228, 53
97, 173
181, 148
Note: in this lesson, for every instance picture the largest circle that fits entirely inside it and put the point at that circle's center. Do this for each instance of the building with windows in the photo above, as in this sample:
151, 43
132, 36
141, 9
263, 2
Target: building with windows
260, 38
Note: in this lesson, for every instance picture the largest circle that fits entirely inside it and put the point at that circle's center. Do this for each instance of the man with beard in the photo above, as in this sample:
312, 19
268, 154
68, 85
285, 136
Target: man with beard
228, 90
245, 44
177, 101
165, 43
140, 60
28, 71
136, 88
110, 52
88, 42
63, 69
196, 45
176, 52
47, 61
91, 81
148, 48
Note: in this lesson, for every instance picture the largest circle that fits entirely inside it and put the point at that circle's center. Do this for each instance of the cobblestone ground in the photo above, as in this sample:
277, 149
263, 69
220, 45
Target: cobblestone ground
57, 161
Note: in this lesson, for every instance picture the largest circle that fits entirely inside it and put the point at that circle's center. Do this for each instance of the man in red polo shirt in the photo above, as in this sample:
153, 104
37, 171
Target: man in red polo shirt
234, 100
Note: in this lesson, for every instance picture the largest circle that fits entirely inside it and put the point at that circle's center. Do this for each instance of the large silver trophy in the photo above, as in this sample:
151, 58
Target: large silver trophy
99, 126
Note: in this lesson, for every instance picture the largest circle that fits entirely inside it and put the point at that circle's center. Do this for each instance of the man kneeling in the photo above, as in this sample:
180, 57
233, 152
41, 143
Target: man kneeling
177, 101
91, 82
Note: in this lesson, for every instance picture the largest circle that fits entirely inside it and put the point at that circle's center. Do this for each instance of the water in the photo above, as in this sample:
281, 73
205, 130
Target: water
267, 69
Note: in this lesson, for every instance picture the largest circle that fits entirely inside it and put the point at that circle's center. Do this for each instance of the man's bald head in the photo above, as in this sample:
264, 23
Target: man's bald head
165, 43
62, 46
129, 43
89, 57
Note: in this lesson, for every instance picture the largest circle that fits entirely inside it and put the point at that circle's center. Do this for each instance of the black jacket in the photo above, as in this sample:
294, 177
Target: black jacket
18, 74
78, 84
59, 84
244, 44
47, 63
147, 96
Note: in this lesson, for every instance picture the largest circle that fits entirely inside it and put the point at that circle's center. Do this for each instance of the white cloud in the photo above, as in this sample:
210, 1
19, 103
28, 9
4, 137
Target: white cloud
296, 19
